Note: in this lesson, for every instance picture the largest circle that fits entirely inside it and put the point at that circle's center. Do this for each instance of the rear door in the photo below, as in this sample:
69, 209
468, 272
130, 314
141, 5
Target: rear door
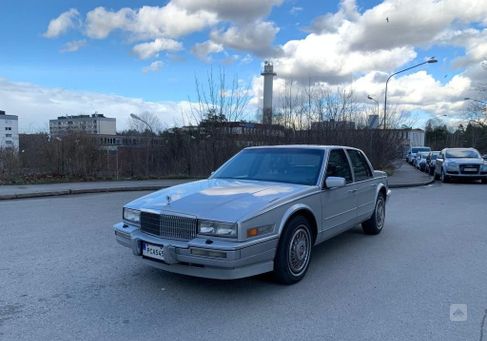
364, 183
338, 204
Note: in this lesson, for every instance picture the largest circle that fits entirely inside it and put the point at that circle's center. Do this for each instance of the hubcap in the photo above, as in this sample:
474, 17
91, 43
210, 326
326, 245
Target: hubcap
299, 250
380, 213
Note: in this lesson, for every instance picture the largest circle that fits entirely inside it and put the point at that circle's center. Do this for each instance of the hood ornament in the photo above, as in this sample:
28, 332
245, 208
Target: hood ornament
168, 198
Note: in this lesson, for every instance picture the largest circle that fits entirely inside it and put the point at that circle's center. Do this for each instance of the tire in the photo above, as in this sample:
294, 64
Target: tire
375, 224
294, 251
444, 178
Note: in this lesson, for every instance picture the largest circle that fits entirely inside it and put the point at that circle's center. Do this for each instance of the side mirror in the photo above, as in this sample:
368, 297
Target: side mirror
335, 181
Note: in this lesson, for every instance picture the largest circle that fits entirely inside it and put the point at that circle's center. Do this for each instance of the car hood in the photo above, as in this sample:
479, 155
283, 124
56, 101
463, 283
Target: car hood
219, 199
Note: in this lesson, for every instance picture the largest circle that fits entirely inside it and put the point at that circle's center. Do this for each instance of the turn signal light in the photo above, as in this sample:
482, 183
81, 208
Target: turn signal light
252, 232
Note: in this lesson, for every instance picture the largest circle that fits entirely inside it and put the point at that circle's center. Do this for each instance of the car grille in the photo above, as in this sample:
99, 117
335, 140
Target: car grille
463, 171
168, 226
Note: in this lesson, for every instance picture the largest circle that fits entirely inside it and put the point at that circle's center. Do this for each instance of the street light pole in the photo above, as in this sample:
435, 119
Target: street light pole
429, 61
475, 100
375, 101
136, 117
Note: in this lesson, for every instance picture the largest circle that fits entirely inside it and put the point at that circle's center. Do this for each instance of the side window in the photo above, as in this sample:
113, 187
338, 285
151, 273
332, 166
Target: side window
360, 166
338, 165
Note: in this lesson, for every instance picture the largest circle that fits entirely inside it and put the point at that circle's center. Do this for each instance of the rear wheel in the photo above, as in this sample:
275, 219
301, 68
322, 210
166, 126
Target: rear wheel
294, 251
375, 224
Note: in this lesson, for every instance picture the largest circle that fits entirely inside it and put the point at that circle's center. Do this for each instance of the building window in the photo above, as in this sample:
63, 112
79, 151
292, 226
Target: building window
8, 135
9, 142
8, 128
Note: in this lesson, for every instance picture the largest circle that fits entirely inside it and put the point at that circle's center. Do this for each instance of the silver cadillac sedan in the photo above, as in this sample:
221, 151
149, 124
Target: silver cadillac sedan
261, 211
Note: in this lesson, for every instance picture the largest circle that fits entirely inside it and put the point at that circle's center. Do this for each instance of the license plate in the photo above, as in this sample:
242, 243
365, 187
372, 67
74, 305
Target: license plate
153, 251
470, 169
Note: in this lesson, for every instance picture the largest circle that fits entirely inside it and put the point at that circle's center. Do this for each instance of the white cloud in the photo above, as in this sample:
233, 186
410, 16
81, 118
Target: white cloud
202, 50
412, 23
235, 10
347, 44
148, 22
73, 46
36, 105
147, 50
254, 37
153, 67
62, 24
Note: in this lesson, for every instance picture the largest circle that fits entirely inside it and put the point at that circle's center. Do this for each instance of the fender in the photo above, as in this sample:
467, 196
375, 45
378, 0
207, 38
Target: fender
290, 211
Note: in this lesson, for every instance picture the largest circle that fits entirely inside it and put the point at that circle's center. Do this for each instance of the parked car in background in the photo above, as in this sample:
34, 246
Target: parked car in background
431, 162
420, 161
456, 163
261, 211
411, 155
484, 157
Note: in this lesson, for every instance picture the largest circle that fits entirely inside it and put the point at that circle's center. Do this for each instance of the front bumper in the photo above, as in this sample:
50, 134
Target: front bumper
240, 259
458, 175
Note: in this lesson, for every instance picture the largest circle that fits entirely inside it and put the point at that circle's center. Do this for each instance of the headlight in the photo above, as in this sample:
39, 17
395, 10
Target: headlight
452, 165
218, 229
131, 215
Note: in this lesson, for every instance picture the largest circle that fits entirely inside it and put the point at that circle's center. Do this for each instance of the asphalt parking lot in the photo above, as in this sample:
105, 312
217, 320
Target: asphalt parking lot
63, 277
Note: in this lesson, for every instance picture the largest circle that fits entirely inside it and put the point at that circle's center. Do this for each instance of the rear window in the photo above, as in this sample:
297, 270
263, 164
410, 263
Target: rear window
420, 149
360, 166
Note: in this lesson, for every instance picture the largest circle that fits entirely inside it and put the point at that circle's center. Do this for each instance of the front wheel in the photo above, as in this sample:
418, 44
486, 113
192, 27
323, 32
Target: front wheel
375, 224
294, 251
444, 178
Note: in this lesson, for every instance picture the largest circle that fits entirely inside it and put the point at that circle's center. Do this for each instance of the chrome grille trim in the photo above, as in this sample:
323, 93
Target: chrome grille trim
169, 226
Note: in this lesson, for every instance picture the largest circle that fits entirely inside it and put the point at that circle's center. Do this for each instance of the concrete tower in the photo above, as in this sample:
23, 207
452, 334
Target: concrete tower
268, 74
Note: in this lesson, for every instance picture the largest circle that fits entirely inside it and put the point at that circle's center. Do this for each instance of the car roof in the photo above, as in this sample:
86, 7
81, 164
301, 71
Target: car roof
303, 146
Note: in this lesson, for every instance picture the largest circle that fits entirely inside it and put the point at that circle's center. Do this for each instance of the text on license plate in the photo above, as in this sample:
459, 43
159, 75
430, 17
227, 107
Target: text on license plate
153, 251
470, 169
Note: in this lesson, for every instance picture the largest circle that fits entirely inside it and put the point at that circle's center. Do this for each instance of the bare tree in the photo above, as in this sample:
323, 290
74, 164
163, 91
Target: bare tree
218, 98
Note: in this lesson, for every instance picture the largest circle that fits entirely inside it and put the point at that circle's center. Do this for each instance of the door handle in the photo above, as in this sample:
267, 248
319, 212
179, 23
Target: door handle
352, 190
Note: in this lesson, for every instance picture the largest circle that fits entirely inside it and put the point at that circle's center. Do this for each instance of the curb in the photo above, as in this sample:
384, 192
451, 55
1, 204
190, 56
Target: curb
137, 189
79, 191
414, 184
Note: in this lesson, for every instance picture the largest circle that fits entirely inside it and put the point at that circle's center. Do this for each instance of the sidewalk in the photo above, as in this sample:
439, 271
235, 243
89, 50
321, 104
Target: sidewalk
406, 175
8, 192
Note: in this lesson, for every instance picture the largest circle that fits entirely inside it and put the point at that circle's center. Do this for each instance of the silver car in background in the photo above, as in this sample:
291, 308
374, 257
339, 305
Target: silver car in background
460, 163
411, 155
261, 211
421, 159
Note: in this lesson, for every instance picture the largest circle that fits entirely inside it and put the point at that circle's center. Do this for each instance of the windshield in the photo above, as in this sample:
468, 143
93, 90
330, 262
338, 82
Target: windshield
291, 165
462, 154
420, 149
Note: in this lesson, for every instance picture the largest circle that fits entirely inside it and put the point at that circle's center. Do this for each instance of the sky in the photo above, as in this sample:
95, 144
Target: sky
120, 57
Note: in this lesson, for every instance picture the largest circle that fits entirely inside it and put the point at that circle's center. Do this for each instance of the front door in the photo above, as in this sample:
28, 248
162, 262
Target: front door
338, 204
